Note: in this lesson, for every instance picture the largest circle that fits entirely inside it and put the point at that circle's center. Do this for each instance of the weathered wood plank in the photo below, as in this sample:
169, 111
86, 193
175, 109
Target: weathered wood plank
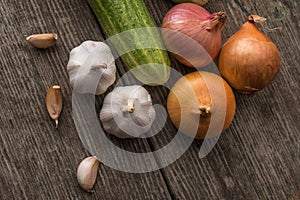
37, 161
258, 156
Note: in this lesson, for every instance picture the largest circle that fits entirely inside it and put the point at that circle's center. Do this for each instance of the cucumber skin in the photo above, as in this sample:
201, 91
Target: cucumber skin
117, 16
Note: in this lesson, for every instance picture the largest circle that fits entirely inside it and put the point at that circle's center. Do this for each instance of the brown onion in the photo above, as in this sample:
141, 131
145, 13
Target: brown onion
249, 60
187, 23
202, 100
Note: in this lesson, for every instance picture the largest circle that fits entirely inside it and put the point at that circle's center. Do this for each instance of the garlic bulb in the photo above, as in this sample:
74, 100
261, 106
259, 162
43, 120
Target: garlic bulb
91, 68
127, 112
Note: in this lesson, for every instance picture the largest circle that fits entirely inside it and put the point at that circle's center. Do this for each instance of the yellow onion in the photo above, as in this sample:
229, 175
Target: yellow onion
249, 60
187, 23
202, 100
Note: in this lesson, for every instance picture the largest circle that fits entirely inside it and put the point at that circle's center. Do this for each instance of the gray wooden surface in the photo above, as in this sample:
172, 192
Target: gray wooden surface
258, 157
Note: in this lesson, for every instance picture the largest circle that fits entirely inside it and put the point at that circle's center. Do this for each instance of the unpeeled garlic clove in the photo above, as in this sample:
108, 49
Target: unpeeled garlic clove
54, 102
87, 173
42, 41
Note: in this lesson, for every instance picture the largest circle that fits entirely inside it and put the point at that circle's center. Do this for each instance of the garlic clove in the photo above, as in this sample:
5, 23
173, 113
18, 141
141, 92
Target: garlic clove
87, 173
42, 41
54, 101
91, 68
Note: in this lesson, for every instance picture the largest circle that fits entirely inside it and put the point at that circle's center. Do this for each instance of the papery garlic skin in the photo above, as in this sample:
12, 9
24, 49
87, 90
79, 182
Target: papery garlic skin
91, 68
87, 173
127, 112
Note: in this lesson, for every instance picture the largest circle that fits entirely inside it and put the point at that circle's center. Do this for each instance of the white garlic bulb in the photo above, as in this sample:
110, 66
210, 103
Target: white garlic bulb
91, 68
127, 112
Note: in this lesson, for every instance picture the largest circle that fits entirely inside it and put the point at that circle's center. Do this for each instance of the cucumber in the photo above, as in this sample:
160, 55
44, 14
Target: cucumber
133, 33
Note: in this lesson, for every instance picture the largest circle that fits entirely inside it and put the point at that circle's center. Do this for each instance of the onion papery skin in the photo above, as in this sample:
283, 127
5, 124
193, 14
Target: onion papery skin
196, 24
190, 93
249, 60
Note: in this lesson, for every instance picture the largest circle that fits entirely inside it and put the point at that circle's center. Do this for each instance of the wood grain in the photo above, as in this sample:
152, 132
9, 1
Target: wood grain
37, 161
258, 157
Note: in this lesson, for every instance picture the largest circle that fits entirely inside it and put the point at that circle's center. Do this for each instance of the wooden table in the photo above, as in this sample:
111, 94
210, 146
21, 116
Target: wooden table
258, 157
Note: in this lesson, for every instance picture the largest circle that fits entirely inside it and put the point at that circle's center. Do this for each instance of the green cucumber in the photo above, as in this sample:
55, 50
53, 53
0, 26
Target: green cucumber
133, 33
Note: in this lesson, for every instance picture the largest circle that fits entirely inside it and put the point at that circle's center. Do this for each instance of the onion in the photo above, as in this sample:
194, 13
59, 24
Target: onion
249, 60
186, 23
202, 100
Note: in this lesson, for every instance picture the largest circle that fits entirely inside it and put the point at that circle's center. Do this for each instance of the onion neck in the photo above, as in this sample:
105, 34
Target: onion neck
203, 110
215, 22
255, 19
